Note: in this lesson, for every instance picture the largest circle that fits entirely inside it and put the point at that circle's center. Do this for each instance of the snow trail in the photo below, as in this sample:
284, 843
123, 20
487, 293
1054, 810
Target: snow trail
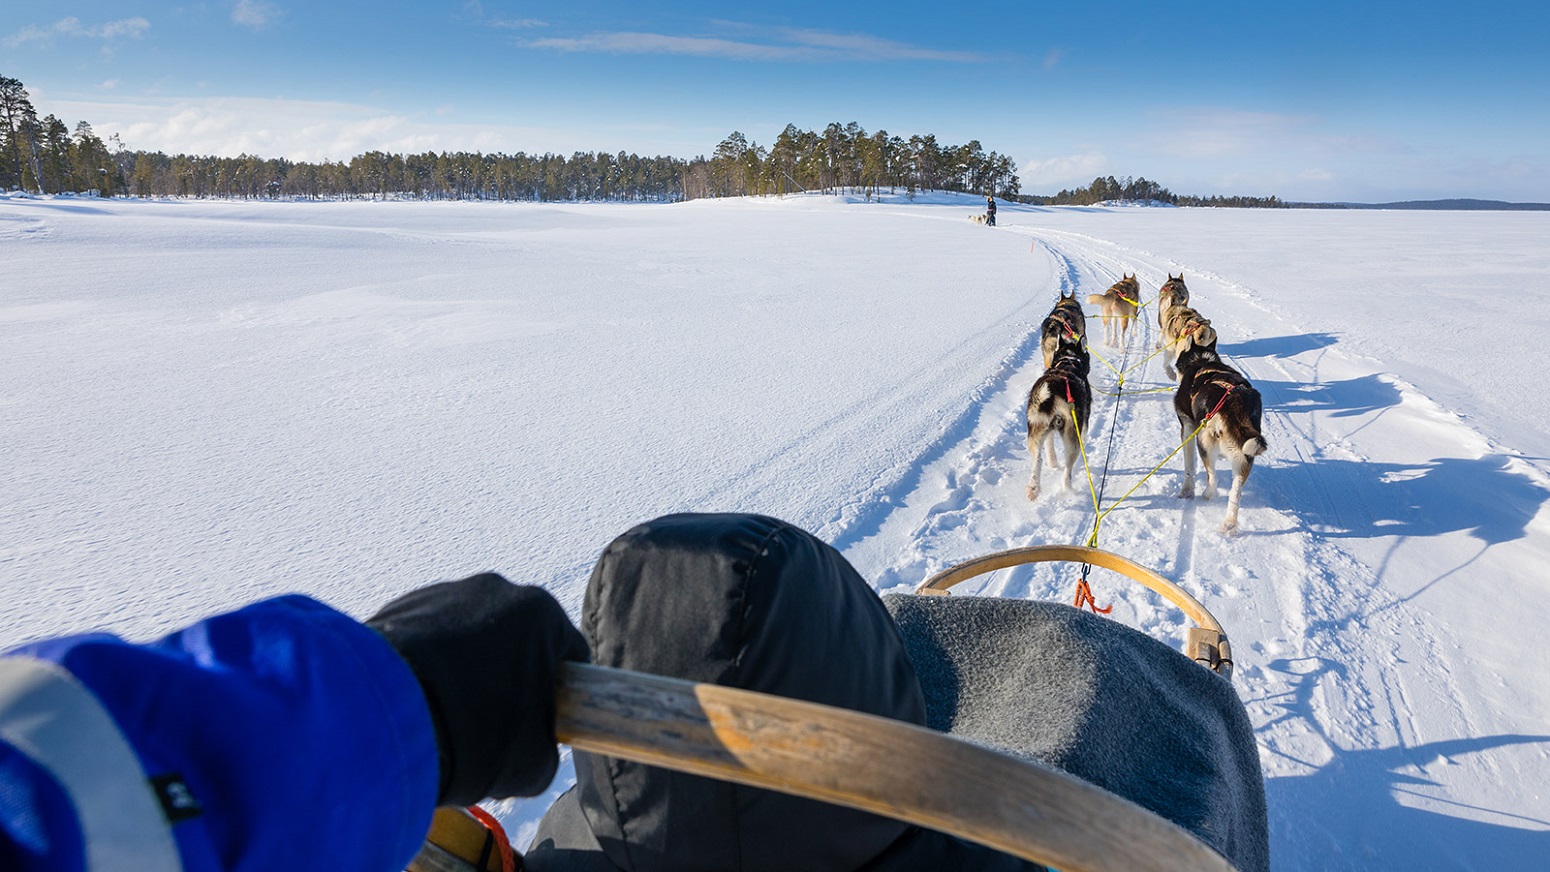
1318, 631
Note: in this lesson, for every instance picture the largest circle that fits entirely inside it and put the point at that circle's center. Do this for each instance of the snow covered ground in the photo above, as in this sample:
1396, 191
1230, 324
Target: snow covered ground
202, 404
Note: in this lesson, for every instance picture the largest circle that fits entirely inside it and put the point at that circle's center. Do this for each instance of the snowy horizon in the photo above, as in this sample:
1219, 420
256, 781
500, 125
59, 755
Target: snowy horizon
208, 403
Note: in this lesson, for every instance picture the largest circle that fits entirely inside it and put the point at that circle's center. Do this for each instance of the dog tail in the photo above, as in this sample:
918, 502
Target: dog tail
1255, 446
1095, 299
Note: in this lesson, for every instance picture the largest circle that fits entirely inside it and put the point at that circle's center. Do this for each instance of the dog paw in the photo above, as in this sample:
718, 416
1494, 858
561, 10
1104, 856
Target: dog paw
1230, 527
1033, 492
1187, 492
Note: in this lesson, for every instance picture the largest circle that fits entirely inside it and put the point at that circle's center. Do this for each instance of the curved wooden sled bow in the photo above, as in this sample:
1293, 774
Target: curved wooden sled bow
887, 767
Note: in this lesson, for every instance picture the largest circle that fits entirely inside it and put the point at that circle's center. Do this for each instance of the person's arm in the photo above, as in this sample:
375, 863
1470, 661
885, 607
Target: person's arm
282, 736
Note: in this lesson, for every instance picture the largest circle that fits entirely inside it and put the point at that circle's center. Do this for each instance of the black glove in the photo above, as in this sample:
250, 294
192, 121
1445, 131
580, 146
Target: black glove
486, 652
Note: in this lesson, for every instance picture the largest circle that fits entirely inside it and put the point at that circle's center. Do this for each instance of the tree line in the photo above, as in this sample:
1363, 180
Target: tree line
847, 158
44, 155
1106, 188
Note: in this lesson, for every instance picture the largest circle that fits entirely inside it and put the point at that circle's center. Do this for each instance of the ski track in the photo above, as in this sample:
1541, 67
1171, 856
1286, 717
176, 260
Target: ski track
1315, 627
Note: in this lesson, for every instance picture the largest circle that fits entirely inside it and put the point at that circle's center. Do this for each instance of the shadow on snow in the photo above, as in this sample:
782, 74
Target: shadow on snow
1280, 346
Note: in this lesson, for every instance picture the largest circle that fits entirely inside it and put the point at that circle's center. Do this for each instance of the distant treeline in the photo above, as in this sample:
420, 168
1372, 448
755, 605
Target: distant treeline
43, 155
847, 158
1108, 188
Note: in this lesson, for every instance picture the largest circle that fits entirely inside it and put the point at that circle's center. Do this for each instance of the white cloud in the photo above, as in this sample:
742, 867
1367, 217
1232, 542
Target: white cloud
475, 10
298, 129
126, 28
1063, 172
861, 47
784, 44
1053, 58
1216, 133
515, 23
255, 14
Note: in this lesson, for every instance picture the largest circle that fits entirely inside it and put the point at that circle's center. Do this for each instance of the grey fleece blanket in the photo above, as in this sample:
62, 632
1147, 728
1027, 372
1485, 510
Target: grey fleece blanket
1101, 701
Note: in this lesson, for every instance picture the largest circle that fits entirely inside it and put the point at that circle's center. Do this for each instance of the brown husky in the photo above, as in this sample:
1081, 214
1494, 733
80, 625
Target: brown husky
1182, 321
1120, 303
1059, 402
1213, 393
1173, 293
1067, 323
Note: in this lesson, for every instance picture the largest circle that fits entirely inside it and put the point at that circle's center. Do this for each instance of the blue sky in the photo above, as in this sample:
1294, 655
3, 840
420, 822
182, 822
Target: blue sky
1312, 100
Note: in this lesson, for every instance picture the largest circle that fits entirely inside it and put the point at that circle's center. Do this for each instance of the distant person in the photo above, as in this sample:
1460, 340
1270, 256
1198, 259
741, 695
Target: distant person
990, 211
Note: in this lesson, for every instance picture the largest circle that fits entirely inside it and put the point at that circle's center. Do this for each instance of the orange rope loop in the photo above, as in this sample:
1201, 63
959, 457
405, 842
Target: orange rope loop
496, 841
1084, 597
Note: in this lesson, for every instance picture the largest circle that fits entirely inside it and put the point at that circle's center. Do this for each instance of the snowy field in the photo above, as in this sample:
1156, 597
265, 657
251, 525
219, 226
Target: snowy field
202, 404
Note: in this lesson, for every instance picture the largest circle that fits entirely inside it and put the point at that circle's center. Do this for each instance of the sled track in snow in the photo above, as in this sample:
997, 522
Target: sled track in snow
1312, 624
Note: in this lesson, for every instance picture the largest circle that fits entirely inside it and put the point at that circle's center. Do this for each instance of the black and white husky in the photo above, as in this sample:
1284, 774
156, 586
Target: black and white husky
1059, 402
1066, 323
1212, 392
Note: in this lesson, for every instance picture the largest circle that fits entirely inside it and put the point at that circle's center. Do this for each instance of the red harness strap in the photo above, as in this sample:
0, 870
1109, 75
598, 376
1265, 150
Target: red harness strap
496, 841
1084, 597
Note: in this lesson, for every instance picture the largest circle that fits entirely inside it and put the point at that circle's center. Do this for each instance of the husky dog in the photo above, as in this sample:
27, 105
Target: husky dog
1173, 293
977, 219
1212, 392
1183, 321
1120, 303
1067, 323
1060, 395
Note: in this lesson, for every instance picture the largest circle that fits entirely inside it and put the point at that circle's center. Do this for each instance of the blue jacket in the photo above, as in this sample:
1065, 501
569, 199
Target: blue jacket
283, 736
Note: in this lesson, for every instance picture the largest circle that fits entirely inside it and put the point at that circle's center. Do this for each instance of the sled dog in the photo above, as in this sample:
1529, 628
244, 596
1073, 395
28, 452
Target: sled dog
1173, 293
1120, 303
1183, 321
1060, 395
1066, 324
1212, 392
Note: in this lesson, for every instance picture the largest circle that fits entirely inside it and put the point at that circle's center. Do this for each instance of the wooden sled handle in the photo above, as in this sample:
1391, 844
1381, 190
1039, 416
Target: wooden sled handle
887, 767
1205, 643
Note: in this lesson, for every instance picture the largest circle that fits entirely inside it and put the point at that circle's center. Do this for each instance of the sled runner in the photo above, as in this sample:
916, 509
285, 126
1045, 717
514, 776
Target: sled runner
1153, 767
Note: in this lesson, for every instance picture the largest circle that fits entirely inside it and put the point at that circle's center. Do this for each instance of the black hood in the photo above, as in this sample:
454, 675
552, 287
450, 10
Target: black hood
743, 601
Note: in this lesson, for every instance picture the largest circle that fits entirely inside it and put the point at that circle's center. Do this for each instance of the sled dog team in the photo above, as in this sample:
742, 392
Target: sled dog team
1212, 398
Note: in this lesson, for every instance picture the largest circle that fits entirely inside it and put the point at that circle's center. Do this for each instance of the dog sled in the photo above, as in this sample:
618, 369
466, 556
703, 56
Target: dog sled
1053, 735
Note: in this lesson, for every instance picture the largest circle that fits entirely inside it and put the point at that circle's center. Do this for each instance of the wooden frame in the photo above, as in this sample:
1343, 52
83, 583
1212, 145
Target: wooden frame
861, 761
1205, 643
891, 768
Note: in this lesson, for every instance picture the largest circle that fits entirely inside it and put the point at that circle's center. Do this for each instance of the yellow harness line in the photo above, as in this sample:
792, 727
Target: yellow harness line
1092, 541
1105, 361
1099, 515
1149, 302
1143, 360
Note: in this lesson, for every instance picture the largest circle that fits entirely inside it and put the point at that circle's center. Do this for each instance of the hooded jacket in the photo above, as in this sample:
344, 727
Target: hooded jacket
750, 602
